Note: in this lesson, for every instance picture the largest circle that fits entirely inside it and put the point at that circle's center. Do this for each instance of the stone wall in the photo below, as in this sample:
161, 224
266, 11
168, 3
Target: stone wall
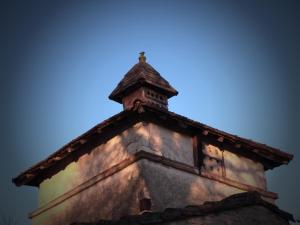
142, 136
107, 198
173, 188
101, 158
93, 188
170, 144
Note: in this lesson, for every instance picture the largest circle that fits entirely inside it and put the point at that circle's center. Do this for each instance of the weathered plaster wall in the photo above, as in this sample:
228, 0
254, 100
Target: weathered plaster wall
112, 197
174, 188
101, 158
234, 167
170, 144
142, 136
244, 170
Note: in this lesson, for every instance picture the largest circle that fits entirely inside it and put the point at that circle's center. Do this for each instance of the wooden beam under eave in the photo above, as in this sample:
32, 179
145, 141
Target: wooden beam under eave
76, 144
182, 125
99, 130
42, 167
238, 145
220, 139
205, 132
57, 158
29, 175
82, 141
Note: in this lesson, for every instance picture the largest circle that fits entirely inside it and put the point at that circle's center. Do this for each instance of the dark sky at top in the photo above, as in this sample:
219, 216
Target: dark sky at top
235, 64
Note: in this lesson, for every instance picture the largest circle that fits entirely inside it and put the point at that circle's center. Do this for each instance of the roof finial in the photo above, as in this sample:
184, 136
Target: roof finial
142, 57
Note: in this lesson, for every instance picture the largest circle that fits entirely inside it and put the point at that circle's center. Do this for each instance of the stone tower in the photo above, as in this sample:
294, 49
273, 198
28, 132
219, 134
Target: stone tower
145, 160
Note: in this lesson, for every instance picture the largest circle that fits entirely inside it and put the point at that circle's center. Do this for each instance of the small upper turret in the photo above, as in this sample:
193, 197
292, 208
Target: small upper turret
143, 84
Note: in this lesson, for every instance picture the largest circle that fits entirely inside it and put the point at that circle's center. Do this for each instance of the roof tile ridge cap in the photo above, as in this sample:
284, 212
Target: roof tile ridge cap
143, 66
147, 66
255, 198
154, 72
131, 69
129, 82
235, 201
232, 201
128, 74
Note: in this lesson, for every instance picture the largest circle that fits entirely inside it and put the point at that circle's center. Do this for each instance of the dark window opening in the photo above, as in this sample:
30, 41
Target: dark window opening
145, 204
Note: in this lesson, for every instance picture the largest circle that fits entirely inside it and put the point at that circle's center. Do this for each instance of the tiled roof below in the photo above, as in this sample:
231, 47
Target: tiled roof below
243, 209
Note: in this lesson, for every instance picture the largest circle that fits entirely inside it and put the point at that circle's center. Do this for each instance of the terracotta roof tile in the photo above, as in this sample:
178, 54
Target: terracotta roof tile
141, 74
233, 202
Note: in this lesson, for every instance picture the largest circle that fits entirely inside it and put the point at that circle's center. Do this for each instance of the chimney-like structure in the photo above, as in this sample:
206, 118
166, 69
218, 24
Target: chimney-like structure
143, 84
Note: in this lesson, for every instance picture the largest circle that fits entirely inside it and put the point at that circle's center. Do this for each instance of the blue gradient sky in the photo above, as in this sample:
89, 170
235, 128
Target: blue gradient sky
235, 65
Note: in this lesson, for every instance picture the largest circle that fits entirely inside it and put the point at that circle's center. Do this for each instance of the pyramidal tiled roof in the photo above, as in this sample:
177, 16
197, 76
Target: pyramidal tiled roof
142, 74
